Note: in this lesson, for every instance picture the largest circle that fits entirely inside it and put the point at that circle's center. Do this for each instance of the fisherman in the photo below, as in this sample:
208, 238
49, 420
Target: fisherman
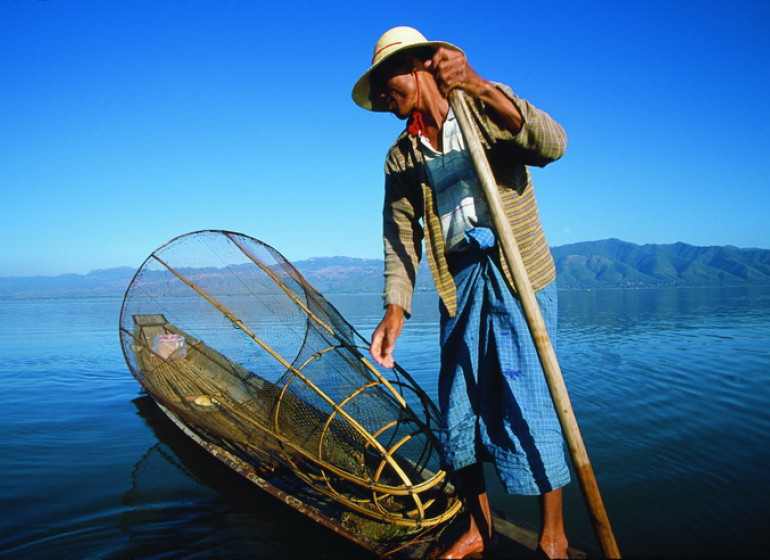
494, 402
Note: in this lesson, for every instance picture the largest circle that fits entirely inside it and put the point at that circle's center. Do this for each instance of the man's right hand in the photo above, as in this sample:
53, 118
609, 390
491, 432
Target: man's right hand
384, 337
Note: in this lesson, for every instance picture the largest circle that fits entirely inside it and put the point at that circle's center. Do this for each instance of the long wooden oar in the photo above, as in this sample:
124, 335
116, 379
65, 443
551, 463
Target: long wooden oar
534, 318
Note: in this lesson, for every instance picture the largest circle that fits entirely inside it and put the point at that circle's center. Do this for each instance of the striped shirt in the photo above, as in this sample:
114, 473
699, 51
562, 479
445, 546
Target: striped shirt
410, 212
460, 204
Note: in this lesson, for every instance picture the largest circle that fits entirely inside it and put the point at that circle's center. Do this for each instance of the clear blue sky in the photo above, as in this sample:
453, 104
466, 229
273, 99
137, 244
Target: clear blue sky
125, 124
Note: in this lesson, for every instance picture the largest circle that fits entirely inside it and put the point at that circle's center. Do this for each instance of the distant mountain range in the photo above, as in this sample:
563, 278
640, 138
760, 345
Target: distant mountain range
617, 264
609, 263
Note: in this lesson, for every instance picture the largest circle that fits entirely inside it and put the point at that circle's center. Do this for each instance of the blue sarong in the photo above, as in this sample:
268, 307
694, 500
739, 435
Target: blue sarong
494, 401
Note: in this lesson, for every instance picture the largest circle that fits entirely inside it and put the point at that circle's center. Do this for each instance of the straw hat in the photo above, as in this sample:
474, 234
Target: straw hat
392, 41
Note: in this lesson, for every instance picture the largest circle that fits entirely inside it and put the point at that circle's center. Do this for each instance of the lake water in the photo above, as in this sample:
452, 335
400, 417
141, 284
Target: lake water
670, 388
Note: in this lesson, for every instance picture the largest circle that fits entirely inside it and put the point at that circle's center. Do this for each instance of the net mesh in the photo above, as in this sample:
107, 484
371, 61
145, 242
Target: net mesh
226, 334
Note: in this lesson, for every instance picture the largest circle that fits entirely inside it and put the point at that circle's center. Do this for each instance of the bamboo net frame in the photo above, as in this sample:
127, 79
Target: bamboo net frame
275, 374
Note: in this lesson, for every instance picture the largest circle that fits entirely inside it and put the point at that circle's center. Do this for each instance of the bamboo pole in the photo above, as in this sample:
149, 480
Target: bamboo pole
536, 325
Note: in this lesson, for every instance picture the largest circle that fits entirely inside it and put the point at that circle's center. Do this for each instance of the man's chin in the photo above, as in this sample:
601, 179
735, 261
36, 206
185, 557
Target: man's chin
398, 114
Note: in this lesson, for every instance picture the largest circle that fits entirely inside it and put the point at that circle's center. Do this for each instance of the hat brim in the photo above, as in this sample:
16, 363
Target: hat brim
362, 89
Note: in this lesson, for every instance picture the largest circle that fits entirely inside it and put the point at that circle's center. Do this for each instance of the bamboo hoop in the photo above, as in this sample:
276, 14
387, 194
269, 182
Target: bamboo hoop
536, 325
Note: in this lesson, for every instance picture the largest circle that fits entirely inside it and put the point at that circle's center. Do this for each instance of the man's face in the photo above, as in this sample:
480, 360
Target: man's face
393, 87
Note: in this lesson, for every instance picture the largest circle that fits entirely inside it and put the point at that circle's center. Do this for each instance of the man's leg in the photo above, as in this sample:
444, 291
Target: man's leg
553, 540
480, 534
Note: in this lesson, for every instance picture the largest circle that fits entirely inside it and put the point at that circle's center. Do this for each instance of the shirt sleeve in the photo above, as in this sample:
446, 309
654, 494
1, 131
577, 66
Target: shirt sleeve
541, 139
402, 232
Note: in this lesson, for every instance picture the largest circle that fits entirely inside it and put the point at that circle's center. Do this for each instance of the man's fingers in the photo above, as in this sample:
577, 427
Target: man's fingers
381, 349
448, 68
375, 348
383, 342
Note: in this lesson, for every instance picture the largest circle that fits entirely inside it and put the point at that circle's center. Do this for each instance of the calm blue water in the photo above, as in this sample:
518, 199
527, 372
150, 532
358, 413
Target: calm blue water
670, 388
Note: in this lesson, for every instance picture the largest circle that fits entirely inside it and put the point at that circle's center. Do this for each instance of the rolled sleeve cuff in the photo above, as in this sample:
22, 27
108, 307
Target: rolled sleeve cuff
404, 301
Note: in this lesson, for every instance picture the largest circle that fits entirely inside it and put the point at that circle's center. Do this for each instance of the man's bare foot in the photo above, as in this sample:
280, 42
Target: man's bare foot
552, 549
470, 545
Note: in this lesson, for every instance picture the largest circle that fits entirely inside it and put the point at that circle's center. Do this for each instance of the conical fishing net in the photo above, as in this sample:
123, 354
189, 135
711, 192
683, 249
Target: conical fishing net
225, 334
